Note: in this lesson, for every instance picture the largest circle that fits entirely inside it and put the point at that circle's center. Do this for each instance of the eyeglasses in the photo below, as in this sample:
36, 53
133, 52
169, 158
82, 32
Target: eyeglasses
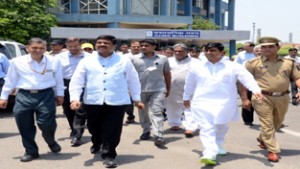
179, 51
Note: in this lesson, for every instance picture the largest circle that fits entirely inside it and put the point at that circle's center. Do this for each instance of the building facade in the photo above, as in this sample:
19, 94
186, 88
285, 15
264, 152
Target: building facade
134, 15
159, 14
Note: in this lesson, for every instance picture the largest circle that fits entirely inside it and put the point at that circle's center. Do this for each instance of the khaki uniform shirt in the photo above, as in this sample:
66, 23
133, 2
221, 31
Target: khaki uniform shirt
273, 76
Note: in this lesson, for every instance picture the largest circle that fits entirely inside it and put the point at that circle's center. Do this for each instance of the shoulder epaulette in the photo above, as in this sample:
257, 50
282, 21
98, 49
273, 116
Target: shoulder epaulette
291, 59
253, 59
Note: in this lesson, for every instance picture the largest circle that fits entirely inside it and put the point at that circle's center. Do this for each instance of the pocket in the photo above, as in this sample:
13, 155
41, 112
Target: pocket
261, 71
285, 72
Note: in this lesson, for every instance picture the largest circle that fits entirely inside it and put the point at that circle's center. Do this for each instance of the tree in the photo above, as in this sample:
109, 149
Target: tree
202, 24
22, 19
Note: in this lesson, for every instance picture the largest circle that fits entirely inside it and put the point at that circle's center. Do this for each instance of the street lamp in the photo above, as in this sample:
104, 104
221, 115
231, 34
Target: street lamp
253, 35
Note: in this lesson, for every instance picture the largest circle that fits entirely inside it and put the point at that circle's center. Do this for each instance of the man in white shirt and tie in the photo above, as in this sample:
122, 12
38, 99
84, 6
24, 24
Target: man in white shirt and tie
69, 61
39, 80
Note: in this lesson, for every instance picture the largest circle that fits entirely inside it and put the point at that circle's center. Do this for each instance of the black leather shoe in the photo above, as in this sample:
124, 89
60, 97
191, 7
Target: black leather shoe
189, 133
110, 163
145, 136
94, 149
159, 141
129, 121
76, 142
29, 157
55, 148
248, 123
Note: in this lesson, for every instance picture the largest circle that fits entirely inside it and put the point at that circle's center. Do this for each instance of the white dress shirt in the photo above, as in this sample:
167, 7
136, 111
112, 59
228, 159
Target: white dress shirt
179, 70
4, 65
215, 90
242, 57
105, 80
297, 59
26, 73
70, 62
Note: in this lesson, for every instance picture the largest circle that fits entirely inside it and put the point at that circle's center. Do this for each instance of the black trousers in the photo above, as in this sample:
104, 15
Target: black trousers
246, 114
129, 111
31, 108
105, 124
76, 119
294, 89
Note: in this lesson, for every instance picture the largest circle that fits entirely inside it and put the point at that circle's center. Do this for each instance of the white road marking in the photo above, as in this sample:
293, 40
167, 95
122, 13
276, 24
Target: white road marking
294, 133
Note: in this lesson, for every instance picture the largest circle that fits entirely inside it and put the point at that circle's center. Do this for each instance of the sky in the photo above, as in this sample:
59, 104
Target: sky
275, 18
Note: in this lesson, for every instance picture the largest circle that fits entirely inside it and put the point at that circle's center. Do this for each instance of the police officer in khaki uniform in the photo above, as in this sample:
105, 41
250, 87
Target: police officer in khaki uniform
272, 74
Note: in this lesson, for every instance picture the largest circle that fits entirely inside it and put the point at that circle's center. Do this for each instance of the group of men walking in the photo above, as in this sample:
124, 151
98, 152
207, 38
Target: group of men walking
99, 87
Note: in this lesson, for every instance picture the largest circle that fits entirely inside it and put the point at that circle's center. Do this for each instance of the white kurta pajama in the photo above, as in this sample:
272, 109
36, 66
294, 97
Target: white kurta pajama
214, 99
174, 102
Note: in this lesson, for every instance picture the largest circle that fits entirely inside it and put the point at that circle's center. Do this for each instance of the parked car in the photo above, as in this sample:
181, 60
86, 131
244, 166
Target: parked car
12, 49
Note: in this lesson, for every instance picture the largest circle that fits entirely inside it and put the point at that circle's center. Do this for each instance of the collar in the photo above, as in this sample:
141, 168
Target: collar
185, 58
106, 58
264, 59
222, 61
30, 60
144, 56
80, 56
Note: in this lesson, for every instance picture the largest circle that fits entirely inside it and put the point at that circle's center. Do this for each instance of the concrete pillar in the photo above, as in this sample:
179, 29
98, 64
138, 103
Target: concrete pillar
74, 7
218, 13
113, 7
231, 4
174, 6
164, 7
127, 7
232, 43
188, 8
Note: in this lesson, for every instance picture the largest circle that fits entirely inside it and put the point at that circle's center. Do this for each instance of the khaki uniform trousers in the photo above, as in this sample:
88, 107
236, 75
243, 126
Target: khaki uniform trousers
271, 112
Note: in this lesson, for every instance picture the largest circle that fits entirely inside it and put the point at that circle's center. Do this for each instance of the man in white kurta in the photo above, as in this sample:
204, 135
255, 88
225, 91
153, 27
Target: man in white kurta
180, 64
211, 87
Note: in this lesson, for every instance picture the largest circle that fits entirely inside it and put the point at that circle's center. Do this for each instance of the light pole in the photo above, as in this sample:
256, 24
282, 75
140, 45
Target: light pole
253, 35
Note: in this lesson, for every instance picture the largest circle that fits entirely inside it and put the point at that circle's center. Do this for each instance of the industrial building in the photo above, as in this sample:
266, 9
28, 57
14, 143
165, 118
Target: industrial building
138, 19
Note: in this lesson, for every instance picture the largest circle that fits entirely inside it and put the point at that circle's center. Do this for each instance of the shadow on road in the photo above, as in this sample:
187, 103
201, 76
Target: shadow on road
5, 135
54, 157
126, 159
289, 152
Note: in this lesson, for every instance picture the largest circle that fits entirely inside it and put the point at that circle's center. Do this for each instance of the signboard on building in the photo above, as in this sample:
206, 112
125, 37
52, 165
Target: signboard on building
173, 34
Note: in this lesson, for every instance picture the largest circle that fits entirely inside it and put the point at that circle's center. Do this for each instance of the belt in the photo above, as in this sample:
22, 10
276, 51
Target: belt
275, 93
36, 91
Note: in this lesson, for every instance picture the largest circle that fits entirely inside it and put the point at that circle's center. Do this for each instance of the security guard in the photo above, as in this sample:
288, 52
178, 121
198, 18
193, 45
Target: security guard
272, 74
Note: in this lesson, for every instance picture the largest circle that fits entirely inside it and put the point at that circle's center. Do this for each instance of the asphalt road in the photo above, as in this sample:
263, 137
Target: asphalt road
179, 152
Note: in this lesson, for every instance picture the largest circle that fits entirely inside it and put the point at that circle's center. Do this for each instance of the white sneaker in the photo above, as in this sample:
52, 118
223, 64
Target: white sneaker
222, 152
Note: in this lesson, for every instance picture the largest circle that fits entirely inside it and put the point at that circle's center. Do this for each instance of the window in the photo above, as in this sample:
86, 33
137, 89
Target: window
93, 6
22, 49
66, 6
11, 49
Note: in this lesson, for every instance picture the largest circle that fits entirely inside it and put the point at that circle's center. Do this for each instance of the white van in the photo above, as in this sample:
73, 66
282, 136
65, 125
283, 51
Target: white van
12, 49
